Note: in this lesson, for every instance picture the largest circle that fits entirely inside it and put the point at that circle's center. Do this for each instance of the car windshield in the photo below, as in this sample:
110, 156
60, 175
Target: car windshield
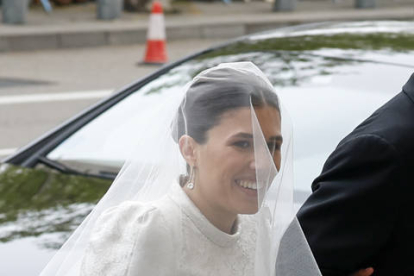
327, 92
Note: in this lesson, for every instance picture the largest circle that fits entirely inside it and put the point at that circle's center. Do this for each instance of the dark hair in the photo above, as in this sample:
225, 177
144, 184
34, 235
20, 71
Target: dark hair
215, 93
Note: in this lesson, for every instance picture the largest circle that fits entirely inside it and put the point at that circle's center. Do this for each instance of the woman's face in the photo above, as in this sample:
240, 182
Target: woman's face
225, 164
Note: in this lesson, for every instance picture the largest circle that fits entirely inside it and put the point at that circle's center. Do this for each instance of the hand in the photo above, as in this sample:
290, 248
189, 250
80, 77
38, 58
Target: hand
364, 272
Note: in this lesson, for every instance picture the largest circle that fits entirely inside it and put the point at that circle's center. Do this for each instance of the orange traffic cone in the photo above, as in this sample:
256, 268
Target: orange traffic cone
156, 53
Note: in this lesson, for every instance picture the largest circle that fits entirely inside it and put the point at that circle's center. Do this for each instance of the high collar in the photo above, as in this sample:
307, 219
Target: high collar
189, 209
408, 88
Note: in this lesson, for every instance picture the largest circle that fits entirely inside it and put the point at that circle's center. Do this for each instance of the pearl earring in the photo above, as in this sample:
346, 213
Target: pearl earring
190, 183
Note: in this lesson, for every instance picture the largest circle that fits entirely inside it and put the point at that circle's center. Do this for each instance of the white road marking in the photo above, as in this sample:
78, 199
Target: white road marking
69, 96
5, 152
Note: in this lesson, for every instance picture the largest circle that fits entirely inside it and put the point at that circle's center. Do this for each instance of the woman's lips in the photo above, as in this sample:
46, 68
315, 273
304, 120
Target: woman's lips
247, 184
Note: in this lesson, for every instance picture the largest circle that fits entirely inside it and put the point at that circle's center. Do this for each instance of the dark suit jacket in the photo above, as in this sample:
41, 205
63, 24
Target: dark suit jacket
361, 211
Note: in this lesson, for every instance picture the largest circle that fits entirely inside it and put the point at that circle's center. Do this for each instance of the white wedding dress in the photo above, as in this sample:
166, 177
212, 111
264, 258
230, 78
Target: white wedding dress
167, 237
146, 225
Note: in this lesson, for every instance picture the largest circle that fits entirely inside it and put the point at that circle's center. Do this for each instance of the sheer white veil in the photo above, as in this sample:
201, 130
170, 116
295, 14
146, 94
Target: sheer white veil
156, 163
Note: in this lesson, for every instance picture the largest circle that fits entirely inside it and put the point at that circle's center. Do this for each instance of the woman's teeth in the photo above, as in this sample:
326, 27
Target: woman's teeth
247, 184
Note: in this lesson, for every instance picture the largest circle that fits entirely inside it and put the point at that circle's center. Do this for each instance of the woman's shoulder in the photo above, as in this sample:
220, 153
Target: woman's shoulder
136, 214
127, 236
128, 210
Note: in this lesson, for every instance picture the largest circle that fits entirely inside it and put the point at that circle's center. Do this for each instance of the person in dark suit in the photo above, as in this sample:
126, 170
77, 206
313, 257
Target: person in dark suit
361, 212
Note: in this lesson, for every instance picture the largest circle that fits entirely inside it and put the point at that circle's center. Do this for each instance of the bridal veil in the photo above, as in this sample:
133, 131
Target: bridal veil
280, 247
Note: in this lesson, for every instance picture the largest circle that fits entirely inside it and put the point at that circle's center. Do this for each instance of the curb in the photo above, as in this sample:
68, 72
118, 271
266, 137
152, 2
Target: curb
124, 33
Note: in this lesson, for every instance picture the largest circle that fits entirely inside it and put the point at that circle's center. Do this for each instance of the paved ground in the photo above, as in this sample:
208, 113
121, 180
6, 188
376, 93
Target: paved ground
77, 26
205, 11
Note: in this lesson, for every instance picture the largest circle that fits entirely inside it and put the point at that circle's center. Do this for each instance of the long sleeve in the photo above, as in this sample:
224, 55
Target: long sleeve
130, 239
351, 213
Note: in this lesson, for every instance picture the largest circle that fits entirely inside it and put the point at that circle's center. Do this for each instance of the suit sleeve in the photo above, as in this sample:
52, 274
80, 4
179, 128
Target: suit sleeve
350, 215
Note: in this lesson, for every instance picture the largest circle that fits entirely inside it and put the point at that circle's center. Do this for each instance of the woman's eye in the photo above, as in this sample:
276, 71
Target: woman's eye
273, 146
242, 144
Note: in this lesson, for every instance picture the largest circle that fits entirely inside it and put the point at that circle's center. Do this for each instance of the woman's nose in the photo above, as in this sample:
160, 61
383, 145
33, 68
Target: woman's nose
262, 163
252, 164
258, 163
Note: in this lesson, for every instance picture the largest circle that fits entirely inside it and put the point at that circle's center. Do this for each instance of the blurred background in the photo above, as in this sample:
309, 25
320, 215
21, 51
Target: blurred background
70, 47
59, 57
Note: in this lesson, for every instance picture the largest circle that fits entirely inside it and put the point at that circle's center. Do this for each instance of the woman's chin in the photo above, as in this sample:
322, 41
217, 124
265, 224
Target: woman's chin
247, 210
246, 200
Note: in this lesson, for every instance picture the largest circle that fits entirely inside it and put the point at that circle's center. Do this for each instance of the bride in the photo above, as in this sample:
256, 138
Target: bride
208, 191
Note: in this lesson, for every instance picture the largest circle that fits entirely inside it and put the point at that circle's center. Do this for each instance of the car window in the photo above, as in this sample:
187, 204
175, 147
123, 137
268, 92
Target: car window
327, 92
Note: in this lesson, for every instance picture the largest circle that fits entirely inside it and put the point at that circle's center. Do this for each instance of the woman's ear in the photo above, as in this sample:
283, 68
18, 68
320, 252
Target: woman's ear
188, 149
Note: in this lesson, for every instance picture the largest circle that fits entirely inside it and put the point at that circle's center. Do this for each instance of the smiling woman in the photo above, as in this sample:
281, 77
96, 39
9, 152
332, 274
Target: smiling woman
229, 189
222, 192
214, 127
215, 199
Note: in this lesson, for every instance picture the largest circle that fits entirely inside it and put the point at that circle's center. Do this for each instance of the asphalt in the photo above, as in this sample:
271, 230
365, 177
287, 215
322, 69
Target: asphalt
77, 26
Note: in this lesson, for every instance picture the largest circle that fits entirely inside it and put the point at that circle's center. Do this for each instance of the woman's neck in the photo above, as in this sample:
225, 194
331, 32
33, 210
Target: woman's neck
223, 220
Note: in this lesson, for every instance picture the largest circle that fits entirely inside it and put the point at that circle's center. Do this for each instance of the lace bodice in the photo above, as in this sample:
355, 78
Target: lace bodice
167, 237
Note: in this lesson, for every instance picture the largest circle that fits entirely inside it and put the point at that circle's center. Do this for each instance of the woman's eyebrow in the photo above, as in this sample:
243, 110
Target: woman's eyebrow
243, 135
277, 138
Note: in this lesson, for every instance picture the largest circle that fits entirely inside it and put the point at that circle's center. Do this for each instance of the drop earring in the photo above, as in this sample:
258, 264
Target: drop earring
190, 183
